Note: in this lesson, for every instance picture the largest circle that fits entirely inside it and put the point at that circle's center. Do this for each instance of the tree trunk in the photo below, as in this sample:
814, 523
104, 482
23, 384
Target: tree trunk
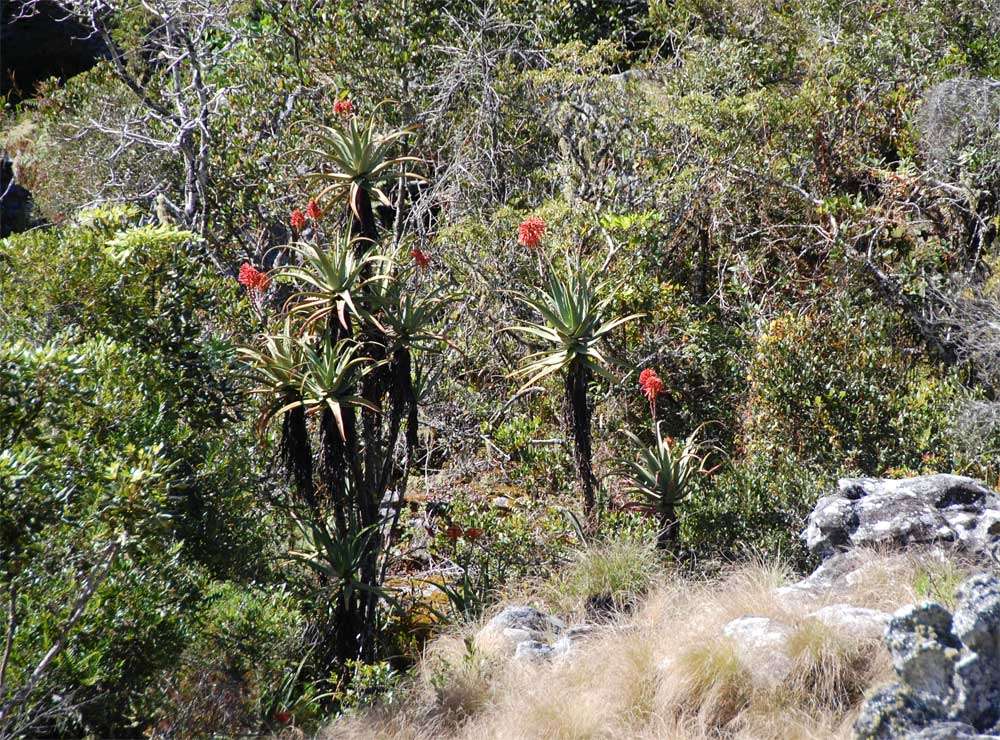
666, 538
579, 419
376, 444
296, 454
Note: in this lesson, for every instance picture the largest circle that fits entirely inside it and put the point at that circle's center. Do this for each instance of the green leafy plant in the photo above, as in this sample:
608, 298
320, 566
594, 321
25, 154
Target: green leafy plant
277, 367
329, 378
663, 475
573, 306
332, 272
354, 158
404, 316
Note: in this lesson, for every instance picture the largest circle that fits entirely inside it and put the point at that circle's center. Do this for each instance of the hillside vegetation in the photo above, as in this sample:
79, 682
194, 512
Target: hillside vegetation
340, 325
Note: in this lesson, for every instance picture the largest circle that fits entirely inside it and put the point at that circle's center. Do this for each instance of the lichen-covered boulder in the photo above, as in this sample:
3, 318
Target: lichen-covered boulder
515, 625
761, 647
949, 731
924, 653
948, 669
976, 624
932, 509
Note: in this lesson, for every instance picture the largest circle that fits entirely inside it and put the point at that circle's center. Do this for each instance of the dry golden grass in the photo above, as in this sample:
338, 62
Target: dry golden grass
663, 671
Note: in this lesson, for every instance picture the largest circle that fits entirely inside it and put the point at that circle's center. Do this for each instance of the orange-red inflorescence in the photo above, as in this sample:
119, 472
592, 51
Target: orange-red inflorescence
343, 108
530, 232
420, 257
651, 384
253, 279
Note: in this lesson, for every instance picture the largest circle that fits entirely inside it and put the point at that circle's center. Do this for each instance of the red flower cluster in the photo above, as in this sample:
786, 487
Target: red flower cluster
297, 220
650, 384
530, 232
253, 279
453, 532
313, 210
420, 257
343, 108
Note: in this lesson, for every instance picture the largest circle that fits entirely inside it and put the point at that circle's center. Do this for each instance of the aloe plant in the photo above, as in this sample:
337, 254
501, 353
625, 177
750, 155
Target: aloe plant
662, 477
277, 370
354, 323
405, 317
331, 275
573, 307
355, 158
329, 378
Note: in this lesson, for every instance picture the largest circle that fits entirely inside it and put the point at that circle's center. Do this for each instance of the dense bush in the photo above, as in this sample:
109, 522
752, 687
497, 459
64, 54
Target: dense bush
114, 397
762, 184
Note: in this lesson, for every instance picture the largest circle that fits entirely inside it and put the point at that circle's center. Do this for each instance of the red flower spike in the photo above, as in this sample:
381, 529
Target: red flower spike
651, 386
297, 220
473, 533
530, 232
343, 108
253, 279
453, 532
650, 383
420, 257
313, 210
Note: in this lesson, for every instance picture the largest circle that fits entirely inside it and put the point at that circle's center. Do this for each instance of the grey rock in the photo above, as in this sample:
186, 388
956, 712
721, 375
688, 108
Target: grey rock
948, 668
526, 618
533, 651
515, 625
977, 625
924, 653
855, 620
829, 578
892, 712
932, 509
572, 637
761, 647
949, 731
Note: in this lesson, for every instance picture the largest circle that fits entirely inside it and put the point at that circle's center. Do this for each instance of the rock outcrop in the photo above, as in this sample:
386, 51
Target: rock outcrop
928, 510
530, 635
948, 669
947, 664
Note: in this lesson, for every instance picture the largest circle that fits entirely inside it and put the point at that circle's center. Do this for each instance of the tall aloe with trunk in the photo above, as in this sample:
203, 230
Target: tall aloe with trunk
345, 358
573, 306
355, 159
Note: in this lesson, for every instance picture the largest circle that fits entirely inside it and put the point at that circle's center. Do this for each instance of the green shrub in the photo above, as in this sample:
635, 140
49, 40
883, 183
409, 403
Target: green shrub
754, 505
112, 397
244, 669
838, 391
